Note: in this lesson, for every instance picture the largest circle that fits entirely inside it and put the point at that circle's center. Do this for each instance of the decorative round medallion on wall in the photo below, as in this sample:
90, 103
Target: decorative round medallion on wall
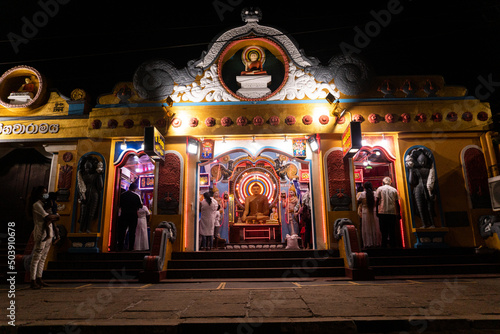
67, 157
210, 121
193, 122
242, 121
78, 94
482, 116
307, 120
253, 69
324, 119
176, 122
258, 121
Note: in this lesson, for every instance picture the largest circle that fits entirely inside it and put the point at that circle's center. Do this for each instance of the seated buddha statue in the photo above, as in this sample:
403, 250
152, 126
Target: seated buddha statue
256, 206
274, 214
28, 87
253, 65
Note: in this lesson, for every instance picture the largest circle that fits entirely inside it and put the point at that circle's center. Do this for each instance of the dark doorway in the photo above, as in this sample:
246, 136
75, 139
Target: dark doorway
20, 171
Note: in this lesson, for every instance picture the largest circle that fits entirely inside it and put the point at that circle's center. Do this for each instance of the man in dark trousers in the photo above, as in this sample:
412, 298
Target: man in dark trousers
130, 202
388, 212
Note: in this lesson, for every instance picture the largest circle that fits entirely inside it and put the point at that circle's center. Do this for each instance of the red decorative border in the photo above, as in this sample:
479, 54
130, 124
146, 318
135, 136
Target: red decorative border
41, 86
233, 44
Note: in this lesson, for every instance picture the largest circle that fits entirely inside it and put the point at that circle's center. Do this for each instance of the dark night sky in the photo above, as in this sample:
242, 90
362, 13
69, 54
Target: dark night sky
93, 45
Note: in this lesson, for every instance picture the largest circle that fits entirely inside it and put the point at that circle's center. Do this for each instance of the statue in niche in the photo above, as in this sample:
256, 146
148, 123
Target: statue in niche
254, 80
90, 185
253, 59
422, 177
25, 93
256, 206
274, 214
293, 209
28, 87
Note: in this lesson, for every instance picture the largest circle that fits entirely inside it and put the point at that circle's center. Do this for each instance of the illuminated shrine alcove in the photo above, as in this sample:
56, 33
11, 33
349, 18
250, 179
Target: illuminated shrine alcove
373, 164
231, 176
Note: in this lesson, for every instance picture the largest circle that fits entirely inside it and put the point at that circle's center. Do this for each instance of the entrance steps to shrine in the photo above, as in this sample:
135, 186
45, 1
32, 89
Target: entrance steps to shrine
85, 267
271, 263
407, 263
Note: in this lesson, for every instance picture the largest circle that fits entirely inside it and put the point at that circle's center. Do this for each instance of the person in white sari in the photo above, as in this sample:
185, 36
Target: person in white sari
371, 231
208, 207
141, 232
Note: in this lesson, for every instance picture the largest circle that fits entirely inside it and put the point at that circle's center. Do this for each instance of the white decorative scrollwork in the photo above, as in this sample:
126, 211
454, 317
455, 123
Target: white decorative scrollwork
210, 89
233, 34
300, 85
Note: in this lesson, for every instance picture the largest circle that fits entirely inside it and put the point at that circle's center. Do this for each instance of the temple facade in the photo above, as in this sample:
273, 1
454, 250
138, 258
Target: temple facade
253, 110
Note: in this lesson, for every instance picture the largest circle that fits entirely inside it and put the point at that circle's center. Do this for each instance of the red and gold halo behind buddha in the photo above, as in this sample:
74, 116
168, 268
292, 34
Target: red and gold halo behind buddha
264, 179
261, 55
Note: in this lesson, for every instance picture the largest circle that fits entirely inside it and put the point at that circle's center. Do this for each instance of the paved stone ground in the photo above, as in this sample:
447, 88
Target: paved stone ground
309, 306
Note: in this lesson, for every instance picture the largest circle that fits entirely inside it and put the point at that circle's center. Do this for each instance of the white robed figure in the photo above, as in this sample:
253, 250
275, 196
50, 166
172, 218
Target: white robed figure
141, 232
208, 207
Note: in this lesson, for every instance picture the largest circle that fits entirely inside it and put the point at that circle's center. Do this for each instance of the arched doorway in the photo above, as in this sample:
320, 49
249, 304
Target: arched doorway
133, 166
21, 170
373, 164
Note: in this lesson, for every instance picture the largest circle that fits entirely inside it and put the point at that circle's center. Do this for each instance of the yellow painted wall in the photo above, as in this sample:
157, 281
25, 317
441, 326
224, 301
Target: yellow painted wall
319, 196
327, 143
190, 202
178, 145
65, 214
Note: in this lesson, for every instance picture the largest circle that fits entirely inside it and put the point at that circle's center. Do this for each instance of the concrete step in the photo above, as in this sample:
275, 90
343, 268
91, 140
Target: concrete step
255, 263
249, 273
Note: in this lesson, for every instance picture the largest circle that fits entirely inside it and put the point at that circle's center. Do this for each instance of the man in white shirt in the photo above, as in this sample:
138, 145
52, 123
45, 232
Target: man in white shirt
388, 211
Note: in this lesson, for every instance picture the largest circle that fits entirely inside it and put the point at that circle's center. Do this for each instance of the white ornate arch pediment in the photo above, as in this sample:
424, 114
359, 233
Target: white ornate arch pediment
218, 45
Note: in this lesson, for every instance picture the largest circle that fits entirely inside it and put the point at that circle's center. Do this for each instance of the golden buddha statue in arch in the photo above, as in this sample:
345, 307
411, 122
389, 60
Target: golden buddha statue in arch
253, 58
